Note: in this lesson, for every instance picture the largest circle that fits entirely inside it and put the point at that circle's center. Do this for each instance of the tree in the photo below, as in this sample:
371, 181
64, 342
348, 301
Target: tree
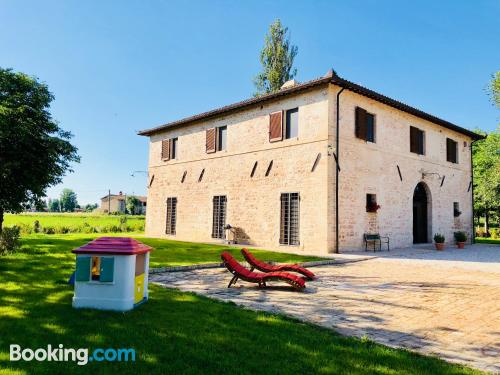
133, 204
36, 152
54, 205
68, 200
276, 59
494, 89
486, 163
90, 207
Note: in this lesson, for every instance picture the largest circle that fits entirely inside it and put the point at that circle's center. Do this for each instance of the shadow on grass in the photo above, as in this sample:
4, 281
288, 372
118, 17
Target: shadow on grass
173, 332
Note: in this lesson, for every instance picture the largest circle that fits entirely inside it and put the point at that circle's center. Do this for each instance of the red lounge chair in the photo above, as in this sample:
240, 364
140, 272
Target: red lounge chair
240, 272
266, 267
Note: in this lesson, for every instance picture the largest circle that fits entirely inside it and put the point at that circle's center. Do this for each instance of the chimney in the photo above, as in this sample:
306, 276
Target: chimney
289, 84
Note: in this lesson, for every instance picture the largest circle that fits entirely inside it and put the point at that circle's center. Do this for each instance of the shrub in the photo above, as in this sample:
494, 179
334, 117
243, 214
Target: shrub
494, 233
49, 230
480, 232
25, 228
37, 228
460, 236
9, 240
438, 238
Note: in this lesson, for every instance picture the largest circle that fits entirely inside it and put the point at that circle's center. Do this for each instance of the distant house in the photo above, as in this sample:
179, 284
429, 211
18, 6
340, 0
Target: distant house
116, 203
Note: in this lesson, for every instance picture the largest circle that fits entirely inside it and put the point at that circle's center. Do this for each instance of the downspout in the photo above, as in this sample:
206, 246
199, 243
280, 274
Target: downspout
473, 233
337, 159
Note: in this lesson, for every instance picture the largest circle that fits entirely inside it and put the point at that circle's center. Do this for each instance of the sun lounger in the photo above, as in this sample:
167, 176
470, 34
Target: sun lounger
240, 272
266, 267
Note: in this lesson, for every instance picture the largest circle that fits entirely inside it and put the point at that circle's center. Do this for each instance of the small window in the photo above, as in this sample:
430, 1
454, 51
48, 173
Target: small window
96, 268
171, 215
371, 203
253, 169
183, 177
219, 216
201, 175
102, 269
221, 138
451, 150
417, 141
292, 123
364, 125
456, 209
289, 219
173, 149
269, 168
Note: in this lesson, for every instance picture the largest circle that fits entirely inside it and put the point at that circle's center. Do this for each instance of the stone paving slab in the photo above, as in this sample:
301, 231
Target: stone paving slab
450, 312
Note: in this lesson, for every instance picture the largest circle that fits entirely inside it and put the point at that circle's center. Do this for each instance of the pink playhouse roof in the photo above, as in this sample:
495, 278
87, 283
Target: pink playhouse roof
113, 246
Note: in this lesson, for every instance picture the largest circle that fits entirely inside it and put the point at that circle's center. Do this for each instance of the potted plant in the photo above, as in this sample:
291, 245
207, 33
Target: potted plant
460, 238
439, 241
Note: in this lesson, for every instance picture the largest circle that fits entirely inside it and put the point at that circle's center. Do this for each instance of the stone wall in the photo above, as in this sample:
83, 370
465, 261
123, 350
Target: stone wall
253, 204
372, 168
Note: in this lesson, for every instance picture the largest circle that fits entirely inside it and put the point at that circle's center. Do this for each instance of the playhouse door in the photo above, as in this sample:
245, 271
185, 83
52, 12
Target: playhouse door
139, 288
139, 278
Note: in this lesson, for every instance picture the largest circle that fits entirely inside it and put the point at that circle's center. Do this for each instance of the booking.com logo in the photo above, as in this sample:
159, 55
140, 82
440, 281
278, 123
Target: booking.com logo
62, 354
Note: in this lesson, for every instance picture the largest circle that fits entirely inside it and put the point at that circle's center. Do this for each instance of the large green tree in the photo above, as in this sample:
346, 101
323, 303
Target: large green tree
35, 152
68, 200
494, 89
276, 59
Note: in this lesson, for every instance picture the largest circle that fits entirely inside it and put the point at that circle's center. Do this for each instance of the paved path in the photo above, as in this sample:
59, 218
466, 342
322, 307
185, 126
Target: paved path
434, 306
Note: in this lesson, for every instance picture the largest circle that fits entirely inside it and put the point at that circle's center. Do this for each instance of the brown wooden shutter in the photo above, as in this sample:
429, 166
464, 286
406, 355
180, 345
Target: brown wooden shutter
413, 139
361, 130
165, 149
210, 144
276, 126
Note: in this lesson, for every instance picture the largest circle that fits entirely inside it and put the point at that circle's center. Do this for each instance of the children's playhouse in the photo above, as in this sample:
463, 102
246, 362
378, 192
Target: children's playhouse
111, 274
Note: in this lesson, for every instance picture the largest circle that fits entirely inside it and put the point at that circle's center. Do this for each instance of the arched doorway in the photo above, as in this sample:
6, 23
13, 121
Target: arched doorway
421, 213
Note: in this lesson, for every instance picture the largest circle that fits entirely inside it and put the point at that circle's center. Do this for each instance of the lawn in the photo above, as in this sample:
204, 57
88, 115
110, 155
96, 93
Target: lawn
74, 222
173, 332
488, 240
68, 219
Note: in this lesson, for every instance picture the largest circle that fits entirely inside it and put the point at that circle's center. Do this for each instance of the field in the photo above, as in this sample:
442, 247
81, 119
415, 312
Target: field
173, 332
75, 222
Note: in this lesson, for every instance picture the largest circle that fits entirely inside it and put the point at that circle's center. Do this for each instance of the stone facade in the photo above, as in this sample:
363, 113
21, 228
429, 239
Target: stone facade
253, 203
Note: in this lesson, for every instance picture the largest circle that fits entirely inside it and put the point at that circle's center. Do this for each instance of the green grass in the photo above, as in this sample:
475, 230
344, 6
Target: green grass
176, 253
488, 240
68, 219
173, 332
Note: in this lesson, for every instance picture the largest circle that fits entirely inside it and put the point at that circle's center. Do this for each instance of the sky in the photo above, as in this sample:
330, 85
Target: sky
116, 67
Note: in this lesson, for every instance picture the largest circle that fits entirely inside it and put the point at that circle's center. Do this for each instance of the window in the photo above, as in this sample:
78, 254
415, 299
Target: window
219, 216
371, 203
451, 150
173, 149
292, 123
253, 169
417, 140
289, 219
171, 215
169, 149
269, 167
216, 139
364, 125
456, 209
96, 268
221, 138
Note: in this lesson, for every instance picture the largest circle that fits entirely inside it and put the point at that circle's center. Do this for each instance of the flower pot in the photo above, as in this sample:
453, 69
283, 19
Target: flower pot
439, 246
460, 245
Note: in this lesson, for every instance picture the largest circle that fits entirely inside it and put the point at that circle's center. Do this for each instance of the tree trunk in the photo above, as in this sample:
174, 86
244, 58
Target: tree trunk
1, 219
486, 224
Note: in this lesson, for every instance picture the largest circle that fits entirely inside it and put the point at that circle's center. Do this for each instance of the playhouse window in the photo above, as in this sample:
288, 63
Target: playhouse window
96, 268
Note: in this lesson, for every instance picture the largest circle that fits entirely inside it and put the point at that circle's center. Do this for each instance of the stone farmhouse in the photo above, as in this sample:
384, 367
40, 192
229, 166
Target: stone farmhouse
115, 203
312, 167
